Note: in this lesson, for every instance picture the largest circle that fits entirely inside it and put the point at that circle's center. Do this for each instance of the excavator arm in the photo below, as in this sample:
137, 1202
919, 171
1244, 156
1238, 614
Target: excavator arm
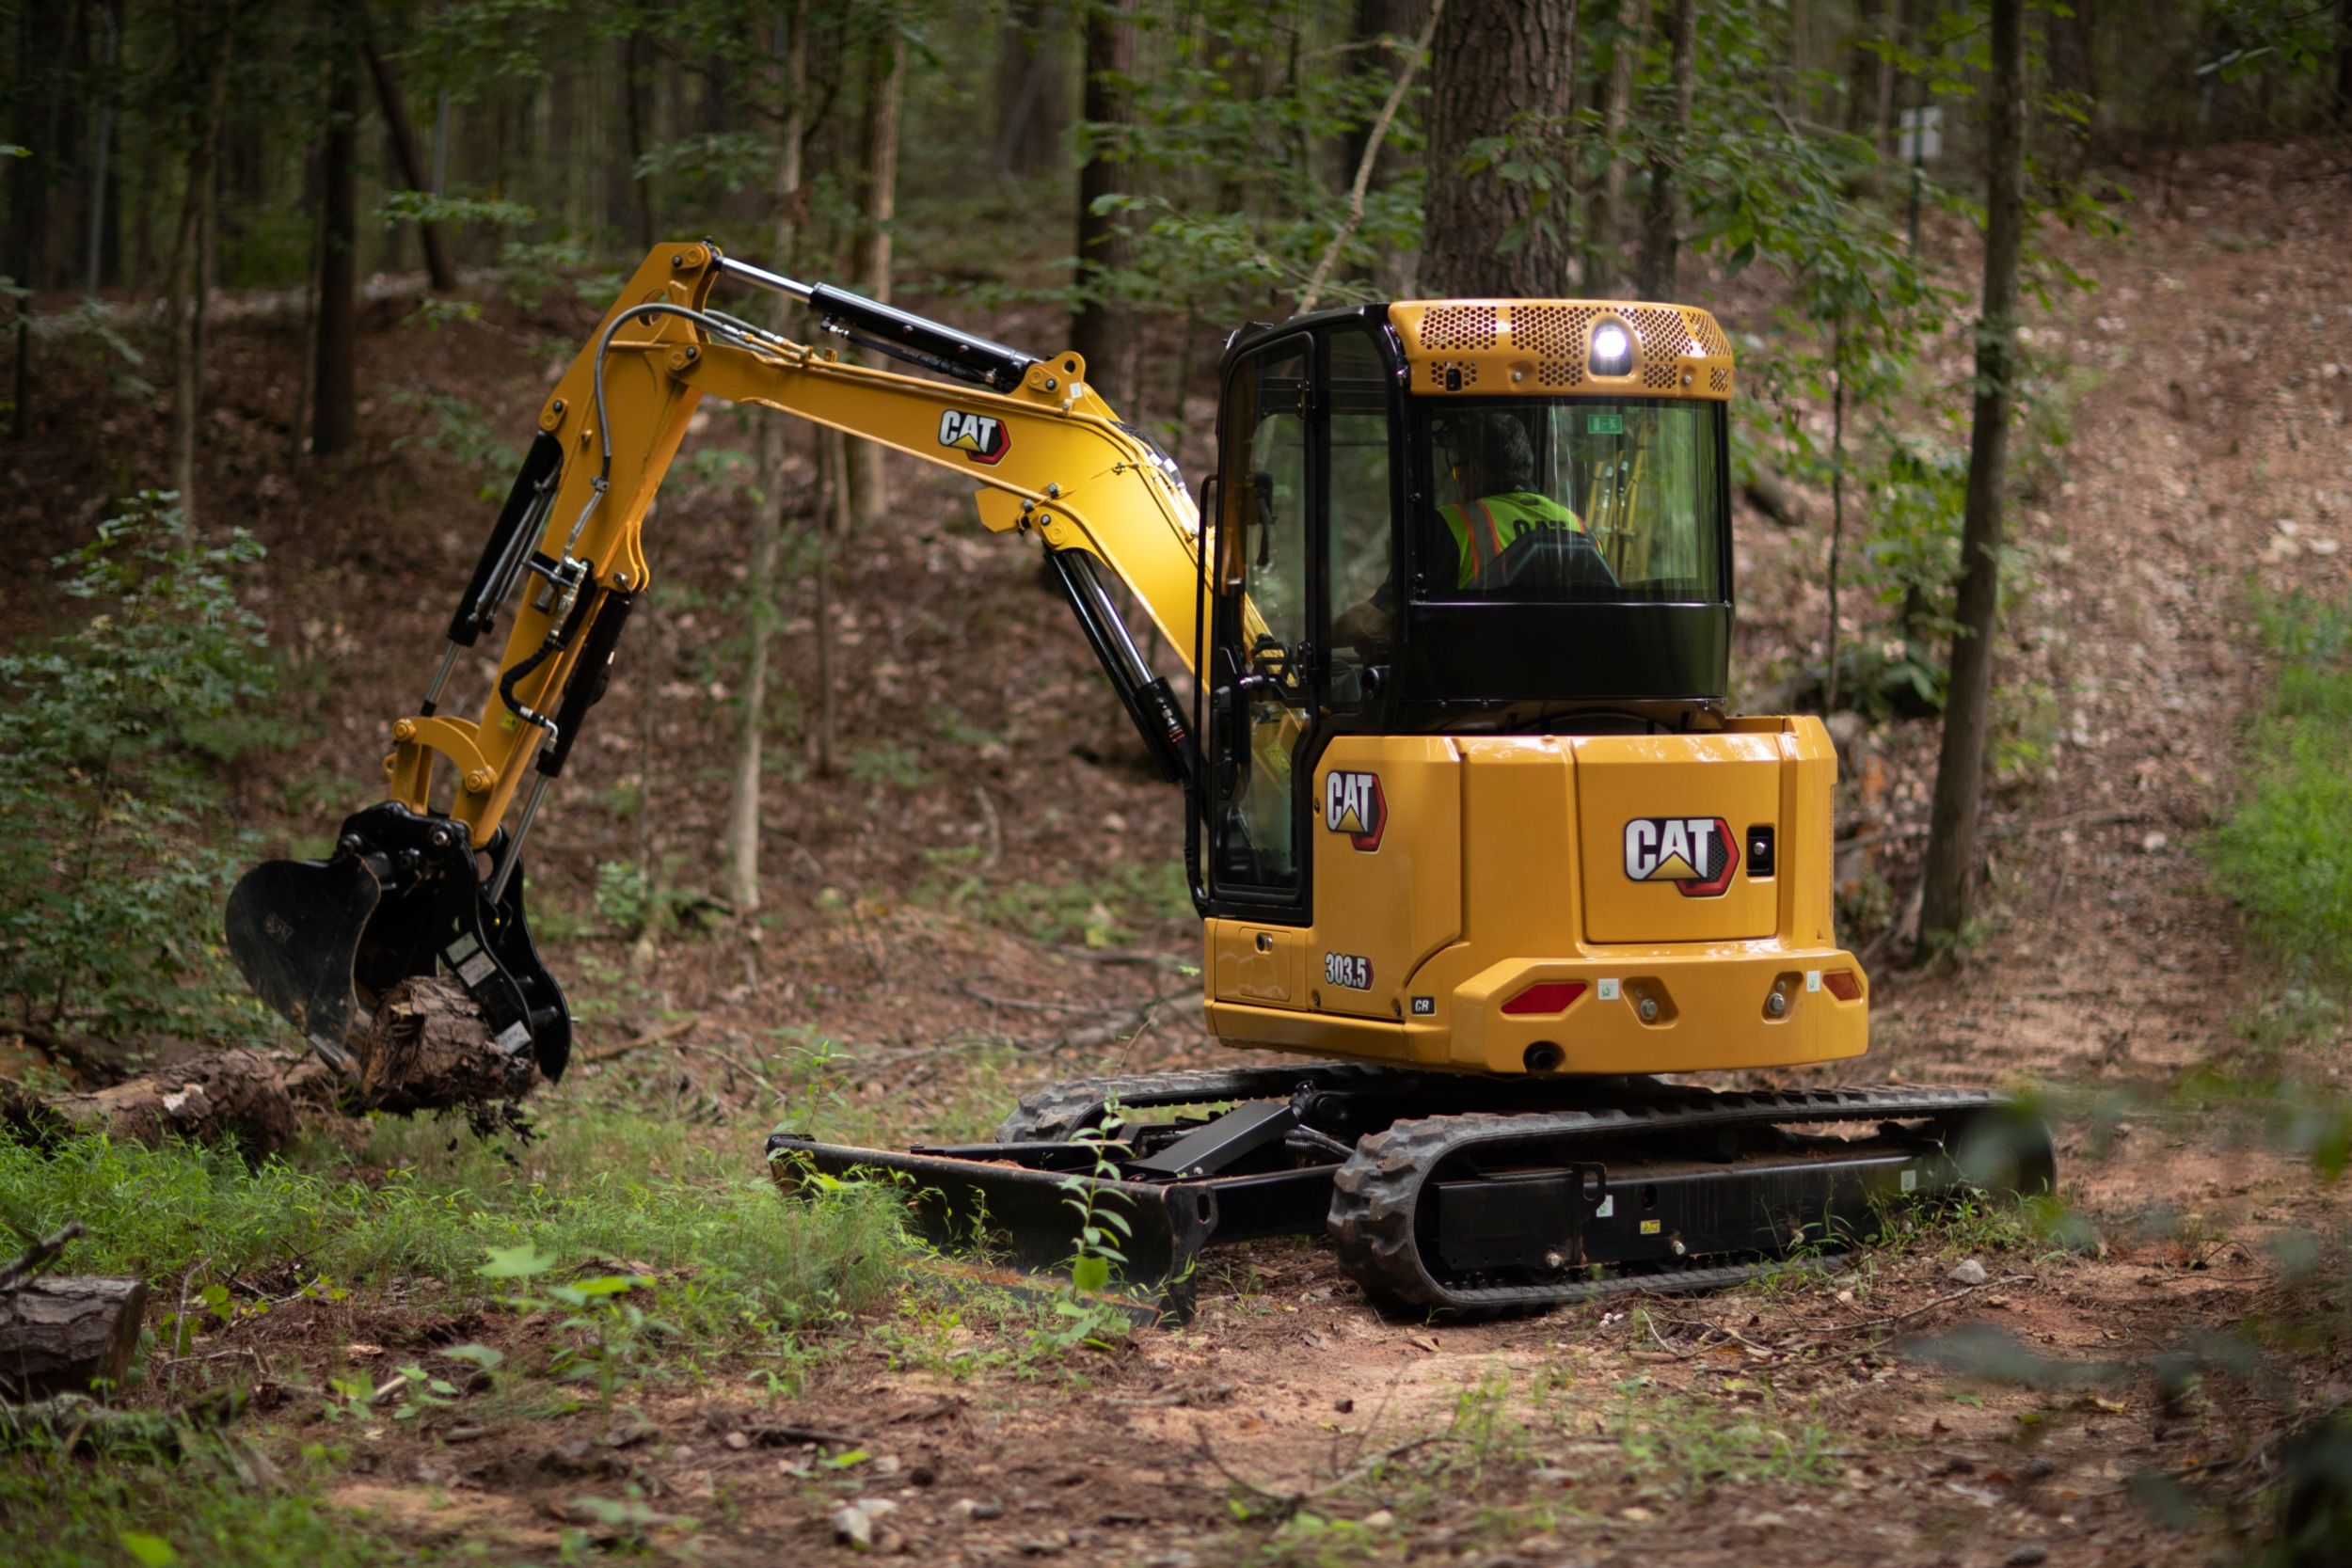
431, 878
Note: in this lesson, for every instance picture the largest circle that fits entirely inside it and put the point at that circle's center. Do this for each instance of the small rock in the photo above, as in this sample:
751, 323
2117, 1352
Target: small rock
887, 1465
630, 1433
874, 1508
1969, 1273
889, 1542
1379, 1518
973, 1508
2153, 844
2038, 1469
2026, 1556
463, 1433
1636, 1515
737, 1441
1768, 1521
853, 1529
1045, 1546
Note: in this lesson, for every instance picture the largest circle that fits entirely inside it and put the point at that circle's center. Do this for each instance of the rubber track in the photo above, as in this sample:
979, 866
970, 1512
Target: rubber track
1376, 1191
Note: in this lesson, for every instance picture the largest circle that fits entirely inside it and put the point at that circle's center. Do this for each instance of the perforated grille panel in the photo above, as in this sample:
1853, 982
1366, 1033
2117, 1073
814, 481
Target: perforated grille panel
1711, 337
1497, 347
1458, 326
1552, 331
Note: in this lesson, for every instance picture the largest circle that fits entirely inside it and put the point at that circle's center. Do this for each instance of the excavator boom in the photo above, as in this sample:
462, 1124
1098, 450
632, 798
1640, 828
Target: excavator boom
404, 894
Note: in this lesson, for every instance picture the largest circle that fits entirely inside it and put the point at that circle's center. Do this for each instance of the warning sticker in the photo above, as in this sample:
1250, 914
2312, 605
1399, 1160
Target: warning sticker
1604, 424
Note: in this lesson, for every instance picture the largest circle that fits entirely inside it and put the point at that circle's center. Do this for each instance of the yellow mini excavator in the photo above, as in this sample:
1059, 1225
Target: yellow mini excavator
1467, 820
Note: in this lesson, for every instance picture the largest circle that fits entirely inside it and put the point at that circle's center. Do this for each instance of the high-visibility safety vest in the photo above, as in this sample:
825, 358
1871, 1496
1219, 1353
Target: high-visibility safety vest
1484, 529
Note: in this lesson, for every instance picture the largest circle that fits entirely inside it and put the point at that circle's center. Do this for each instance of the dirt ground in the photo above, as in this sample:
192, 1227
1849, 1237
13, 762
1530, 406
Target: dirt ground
928, 911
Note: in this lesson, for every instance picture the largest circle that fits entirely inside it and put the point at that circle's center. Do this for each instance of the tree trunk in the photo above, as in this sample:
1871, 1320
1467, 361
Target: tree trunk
1497, 67
2344, 60
1101, 330
63, 1334
760, 586
634, 117
191, 277
833, 521
1655, 269
1032, 97
412, 170
1836, 501
1947, 882
335, 406
885, 92
1604, 246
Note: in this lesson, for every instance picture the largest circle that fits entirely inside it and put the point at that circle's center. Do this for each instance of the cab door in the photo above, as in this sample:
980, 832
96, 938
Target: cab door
1260, 677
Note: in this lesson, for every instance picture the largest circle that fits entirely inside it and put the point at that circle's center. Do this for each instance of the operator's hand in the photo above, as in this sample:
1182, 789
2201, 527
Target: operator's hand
1364, 628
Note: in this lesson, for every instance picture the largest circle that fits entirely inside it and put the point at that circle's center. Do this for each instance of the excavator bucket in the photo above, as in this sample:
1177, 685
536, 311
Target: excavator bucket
294, 928
321, 941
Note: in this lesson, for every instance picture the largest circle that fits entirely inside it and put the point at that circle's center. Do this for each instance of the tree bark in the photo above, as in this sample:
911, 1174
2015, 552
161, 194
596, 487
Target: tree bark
1604, 246
335, 404
191, 279
768, 517
62, 1334
633, 49
1101, 330
1497, 67
412, 169
430, 1051
239, 1095
1949, 880
1032, 96
885, 94
1654, 270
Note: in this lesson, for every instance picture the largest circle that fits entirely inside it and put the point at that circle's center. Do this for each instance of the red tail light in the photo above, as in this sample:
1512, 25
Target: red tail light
1545, 996
1844, 984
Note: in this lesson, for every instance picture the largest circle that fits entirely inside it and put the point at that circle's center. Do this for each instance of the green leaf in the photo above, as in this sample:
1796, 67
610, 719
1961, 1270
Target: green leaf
1091, 1273
151, 1552
516, 1263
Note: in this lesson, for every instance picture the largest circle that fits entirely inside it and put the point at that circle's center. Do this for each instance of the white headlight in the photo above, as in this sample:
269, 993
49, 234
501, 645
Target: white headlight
1609, 344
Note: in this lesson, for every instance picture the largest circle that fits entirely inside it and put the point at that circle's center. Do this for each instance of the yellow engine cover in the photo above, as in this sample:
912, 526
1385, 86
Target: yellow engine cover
1583, 905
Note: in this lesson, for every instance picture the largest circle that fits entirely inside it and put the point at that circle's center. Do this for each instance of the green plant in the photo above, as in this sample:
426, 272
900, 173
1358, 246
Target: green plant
110, 880
1082, 1315
886, 762
612, 1337
2282, 855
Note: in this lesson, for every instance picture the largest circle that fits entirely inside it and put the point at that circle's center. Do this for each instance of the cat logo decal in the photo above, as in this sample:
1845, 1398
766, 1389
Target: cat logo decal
1353, 804
1695, 853
981, 437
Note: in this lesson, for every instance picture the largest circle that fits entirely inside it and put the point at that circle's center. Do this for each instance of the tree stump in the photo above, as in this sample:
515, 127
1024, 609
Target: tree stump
60, 1334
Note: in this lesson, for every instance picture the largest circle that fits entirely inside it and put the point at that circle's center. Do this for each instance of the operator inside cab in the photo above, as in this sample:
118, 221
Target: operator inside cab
1473, 543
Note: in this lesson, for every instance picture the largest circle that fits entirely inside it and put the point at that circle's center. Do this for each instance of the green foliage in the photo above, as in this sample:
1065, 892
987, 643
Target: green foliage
735, 1263
886, 762
110, 885
2282, 855
609, 1340
454, 426
59, 1511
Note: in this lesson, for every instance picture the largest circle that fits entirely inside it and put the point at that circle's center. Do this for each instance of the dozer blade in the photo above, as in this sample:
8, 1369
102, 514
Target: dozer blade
294, 928
1023, 1203
321, 941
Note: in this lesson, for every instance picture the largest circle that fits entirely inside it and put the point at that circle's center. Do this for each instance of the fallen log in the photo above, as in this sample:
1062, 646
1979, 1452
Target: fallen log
235, 1096
426, 1049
